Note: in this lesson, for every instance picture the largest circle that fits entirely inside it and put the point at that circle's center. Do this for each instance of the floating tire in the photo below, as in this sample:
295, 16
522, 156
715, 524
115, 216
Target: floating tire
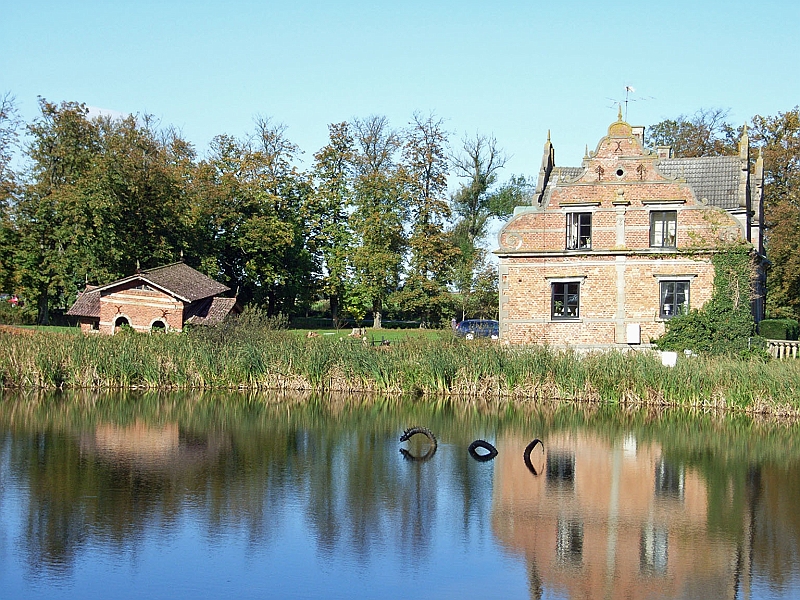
415, 430
526, 456
408, 433
473, 451
427, 456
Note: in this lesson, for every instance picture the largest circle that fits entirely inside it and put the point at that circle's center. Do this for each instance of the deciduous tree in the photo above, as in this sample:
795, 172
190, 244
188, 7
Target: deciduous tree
330, 238
705, 133
9, 125
380, 207
779, 139
432, 251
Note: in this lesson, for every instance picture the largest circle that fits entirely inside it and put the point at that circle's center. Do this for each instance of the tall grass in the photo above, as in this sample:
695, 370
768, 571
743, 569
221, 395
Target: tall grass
261, 358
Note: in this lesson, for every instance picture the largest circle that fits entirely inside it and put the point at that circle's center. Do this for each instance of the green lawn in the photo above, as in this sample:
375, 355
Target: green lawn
378, 335
373, 335
50, 328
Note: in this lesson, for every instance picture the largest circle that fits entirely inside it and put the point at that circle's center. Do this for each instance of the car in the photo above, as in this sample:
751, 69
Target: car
478, 328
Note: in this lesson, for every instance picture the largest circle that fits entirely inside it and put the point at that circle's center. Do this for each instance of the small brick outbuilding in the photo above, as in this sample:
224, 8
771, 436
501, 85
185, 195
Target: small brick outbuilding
609, 251
160, 299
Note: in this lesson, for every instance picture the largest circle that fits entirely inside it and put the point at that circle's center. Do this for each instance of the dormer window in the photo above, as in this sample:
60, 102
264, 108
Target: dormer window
579, 231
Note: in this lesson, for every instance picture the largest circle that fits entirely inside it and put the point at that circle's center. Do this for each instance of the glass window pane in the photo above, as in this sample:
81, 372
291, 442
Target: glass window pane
565, 300
579, 231
663, 228
674, 299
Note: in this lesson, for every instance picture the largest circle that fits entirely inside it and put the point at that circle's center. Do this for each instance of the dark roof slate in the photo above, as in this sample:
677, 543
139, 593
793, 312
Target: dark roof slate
184, 281
87, 304
715, 178
568, 173
209, 311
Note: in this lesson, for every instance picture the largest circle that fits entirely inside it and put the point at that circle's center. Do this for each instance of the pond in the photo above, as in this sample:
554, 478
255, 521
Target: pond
261, 496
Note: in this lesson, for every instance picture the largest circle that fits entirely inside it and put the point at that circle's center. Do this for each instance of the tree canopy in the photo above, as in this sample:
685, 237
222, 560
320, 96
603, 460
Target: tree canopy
777, 139
385, 221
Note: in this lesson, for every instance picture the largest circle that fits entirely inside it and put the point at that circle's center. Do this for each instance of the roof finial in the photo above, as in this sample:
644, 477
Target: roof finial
586, 152
181, 254
619, 113
138, 267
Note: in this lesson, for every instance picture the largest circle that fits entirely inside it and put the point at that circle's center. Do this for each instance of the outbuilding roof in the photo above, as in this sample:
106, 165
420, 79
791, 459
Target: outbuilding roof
87, 304
210, 311
178, 279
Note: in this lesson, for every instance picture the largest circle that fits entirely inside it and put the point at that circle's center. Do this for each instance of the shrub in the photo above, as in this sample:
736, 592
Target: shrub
725, 324
779, 329
15, 315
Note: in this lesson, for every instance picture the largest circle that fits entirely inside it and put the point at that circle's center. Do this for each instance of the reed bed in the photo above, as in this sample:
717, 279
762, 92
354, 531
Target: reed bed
444, 368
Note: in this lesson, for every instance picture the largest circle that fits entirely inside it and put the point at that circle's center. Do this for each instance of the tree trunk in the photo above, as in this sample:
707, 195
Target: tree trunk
44, 311
334, 300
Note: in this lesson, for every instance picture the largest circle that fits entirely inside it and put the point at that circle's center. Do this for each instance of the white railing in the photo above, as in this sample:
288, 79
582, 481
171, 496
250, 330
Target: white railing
783, 348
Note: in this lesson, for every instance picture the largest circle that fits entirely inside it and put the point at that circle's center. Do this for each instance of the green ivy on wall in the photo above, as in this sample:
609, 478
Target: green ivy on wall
725, 324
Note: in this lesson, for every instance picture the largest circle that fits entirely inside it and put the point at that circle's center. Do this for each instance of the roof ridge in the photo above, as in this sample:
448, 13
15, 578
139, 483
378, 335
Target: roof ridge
172, 264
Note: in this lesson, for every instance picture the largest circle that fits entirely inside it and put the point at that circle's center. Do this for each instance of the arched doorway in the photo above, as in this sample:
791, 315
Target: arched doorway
120, 322
158, 326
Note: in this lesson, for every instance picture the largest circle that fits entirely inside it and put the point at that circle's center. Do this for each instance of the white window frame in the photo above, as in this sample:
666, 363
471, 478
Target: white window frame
579, 231
662, 235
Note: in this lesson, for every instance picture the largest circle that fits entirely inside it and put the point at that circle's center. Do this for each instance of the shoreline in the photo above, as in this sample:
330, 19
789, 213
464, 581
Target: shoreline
422, 369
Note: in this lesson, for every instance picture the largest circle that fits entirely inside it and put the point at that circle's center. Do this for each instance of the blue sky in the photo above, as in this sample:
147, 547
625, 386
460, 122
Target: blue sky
511, 69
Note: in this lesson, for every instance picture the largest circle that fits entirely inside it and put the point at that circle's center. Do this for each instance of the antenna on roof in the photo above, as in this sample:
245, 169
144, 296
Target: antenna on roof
629, 89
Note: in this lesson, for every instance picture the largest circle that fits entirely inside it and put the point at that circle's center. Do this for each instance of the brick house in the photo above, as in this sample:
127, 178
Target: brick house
159, 299
609, 251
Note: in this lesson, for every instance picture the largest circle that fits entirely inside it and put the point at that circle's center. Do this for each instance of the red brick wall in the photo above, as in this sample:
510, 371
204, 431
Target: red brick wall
525, 296
141, 308
621, 273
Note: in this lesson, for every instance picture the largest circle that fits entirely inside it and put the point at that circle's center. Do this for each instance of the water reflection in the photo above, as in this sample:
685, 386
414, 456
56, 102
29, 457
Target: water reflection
615, 506
610, 522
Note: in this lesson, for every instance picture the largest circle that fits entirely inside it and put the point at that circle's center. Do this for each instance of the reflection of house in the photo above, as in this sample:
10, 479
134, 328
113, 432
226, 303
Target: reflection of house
163, 298
154, 448
612, 249
605, 520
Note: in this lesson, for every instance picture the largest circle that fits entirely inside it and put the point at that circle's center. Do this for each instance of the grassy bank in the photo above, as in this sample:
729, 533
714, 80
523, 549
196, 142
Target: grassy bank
424, 366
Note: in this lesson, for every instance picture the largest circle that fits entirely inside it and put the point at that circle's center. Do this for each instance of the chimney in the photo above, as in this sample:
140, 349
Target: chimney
664, 151
638, 133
